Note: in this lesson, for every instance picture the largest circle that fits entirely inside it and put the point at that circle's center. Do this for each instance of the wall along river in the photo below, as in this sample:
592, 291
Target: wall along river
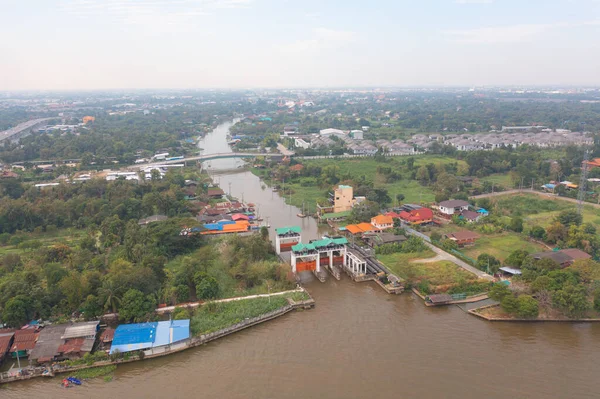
358, 342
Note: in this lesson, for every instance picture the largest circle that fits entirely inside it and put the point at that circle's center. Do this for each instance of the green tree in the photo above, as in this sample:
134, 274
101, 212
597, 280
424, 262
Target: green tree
569, 217
487, 262
208, 288
538, 233
572, 300
509, 304
499, 291
136, 306
527, 307
516, 258
17, 311
516, 224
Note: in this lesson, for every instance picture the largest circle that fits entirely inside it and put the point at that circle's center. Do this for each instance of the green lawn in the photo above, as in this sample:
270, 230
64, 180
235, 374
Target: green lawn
501, 245
212, 317
441, 276
499, 179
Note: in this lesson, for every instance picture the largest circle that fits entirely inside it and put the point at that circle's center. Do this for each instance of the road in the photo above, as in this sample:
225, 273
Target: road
15, 131
443, 255
530, 191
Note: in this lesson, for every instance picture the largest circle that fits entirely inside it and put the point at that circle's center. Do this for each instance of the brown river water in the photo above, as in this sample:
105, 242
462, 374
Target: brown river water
358, 342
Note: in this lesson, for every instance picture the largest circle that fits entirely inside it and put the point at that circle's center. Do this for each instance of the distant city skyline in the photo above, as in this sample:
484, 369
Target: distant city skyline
161, 44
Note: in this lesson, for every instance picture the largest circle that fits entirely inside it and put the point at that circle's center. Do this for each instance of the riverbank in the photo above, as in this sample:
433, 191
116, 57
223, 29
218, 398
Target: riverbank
494, 313
62, 368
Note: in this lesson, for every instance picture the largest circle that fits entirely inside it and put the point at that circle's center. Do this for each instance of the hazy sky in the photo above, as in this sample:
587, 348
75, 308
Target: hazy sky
83, 44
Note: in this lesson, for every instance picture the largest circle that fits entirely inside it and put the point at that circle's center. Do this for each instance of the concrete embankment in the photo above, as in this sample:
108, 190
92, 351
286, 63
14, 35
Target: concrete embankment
193, 342
475, 312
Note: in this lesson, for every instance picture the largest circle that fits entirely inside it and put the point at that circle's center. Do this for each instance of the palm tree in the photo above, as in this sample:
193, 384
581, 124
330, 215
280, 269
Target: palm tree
110, 296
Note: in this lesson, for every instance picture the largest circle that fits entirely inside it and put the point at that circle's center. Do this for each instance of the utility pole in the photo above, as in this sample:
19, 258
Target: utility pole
229, 188
521, 187
532, 184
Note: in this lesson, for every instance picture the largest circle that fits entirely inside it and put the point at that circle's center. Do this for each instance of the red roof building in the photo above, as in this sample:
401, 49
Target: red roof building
417, 216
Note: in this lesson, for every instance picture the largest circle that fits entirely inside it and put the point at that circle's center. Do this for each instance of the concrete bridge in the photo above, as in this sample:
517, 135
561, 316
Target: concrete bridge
210, 157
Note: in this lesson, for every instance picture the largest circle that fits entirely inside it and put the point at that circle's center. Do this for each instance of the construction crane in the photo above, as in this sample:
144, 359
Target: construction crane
583, 181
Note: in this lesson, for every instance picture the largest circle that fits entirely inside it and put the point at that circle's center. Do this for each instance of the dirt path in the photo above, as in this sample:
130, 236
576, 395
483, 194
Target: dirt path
436, 258
443, 255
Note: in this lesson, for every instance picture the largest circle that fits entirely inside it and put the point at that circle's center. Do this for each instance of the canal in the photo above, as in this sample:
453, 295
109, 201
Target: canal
358, 342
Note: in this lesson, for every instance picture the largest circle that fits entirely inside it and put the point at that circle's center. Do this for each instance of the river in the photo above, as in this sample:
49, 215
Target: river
358, 342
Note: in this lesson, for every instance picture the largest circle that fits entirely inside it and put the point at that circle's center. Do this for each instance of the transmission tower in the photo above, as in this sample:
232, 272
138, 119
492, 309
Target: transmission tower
583, 181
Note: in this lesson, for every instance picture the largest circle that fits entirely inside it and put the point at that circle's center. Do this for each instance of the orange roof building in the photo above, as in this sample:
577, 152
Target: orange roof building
359, 228
382, 222
595, 163
87, 119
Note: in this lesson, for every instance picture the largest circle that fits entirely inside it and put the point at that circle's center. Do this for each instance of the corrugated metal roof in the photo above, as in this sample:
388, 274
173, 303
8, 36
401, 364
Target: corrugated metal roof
81, 330
132, 337
286, 230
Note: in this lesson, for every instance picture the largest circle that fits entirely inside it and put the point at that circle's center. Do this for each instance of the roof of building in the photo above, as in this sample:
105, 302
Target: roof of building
297, 168
6, 337
76, 345
24, 340
453, 203
417, 215
439, 298
325, 242
384, 238
288, 230
470, 215
81, 330
132, 337
463, 235
575, 253
107, 335
510, 270
382, 219
557, 256
153, 218
49, 339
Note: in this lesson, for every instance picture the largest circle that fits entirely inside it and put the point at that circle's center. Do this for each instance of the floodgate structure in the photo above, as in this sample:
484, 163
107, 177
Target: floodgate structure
333, 255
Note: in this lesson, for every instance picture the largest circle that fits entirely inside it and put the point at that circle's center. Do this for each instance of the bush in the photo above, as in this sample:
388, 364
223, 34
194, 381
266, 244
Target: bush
527, 307
510, 304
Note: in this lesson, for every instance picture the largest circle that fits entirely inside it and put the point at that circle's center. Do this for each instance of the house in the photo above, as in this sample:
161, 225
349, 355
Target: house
356, 134
470, 216
7, 174
360, 228
462, 238
342, 198
300, 143
215, 192
6, 339
451, 207
564, 257
374, 239
417, 216
65, 341
382, 222
335, 132
23, 342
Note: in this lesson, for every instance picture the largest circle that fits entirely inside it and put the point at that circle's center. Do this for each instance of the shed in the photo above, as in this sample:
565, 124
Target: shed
49, 339
438, 299
132, 337
24, 341
6, 339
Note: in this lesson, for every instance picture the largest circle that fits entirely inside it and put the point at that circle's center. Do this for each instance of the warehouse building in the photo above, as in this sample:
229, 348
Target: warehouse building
157, 336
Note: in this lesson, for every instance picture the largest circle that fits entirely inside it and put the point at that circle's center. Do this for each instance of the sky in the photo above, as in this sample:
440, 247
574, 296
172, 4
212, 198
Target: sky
115, 44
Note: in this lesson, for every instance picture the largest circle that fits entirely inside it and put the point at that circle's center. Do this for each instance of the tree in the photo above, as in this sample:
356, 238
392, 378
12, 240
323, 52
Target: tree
91, 307
136, 306
16, 311
364, 211
400, 198
509, 304
499, 291
527, 307
516, 258
423, 175
572, 300
538, 233
569, 217
379, 195
516, 224
556, 232
542, 283
208, 288
487, 262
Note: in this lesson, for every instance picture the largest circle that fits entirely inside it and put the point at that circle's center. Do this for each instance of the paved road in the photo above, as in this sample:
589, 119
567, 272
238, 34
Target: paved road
530, 191
14, 131
443, 255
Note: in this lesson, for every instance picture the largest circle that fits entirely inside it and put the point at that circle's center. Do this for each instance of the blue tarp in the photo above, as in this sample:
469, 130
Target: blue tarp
213, 226
224, 222
482, 210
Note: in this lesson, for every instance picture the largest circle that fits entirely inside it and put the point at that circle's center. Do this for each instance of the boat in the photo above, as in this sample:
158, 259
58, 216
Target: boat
301, 214
74, 380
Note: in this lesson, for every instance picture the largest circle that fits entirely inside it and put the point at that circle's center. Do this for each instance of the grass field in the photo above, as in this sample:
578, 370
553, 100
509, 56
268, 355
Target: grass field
441, 276
501, 245
499, 179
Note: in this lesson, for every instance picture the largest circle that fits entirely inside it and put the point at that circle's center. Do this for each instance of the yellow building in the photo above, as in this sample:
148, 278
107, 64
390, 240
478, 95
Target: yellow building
343, 199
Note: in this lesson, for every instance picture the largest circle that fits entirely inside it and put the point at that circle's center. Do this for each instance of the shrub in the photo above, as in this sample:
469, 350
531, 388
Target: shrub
527, 307
510, 304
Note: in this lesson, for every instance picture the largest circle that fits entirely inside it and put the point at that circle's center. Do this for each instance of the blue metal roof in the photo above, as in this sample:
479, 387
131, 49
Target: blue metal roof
132, 337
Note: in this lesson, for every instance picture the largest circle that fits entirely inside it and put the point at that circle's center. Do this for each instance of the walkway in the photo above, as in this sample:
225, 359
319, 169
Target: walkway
451, 258
239, 298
